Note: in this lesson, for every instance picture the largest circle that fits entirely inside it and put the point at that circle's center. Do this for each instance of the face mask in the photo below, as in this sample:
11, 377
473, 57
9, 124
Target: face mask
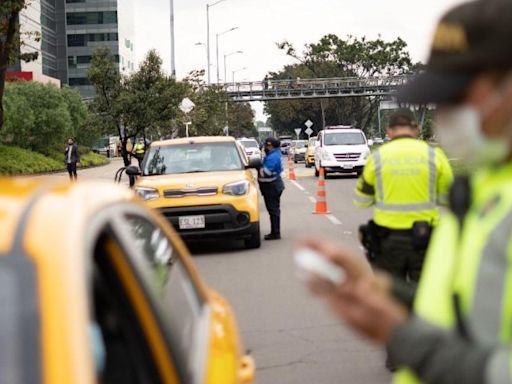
458, 129
267, 150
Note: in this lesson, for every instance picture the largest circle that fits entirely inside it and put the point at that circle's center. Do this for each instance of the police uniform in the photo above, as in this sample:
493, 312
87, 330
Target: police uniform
461, 330
404, 180
272, 186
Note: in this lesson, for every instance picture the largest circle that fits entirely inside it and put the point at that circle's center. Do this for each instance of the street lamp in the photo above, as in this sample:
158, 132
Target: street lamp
225, 65
217, 43
233, 73
173, 55
208, 6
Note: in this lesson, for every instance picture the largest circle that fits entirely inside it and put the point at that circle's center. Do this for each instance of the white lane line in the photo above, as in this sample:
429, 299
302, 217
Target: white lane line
333, 219
312, 199
297, 185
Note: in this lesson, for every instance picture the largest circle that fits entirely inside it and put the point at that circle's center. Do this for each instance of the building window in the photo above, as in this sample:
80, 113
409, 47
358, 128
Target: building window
75, 1
78, 81
79, 18
82, 40
71, 62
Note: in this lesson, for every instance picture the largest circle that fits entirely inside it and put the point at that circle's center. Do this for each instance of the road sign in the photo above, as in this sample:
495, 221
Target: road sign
308, 124
309, 131
187, 105
297, 132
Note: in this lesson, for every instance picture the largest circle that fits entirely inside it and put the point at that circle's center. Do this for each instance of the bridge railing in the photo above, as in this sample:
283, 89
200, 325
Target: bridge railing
311, 87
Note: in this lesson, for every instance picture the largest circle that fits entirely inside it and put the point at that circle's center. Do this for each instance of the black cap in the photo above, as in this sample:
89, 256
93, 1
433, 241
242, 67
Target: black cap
403, 117
471, 38
272, 141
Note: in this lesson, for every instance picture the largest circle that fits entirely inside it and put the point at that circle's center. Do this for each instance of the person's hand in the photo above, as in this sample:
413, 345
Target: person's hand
363, 300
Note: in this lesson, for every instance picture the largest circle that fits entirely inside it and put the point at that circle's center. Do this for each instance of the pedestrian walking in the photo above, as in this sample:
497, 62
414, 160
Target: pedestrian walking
458, 329
272, 185
404, 180
71, 158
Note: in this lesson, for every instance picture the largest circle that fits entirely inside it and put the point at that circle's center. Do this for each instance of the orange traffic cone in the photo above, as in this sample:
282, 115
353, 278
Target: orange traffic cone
291, 170
321, 201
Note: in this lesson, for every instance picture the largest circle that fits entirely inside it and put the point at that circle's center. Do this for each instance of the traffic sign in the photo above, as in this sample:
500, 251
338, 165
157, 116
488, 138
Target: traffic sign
308, 123
297, 132
309, 131
187, 105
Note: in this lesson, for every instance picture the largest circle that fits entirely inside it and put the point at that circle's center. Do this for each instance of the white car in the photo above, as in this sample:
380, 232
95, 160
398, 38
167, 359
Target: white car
252, 149
342, 149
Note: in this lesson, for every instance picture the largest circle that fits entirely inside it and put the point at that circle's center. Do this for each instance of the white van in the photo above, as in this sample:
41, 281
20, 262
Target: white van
341, 149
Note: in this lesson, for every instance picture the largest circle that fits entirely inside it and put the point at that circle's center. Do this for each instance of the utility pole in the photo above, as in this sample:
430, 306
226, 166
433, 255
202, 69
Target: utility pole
208, 42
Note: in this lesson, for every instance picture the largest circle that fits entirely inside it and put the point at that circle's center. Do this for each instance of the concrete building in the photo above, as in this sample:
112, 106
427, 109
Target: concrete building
94, 23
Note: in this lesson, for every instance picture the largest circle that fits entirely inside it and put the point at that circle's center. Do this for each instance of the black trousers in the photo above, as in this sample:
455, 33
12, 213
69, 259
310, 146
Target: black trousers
272, 195
72, 170
399, 257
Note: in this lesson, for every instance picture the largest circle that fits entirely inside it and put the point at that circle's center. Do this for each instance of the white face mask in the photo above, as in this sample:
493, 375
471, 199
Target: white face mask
460, 134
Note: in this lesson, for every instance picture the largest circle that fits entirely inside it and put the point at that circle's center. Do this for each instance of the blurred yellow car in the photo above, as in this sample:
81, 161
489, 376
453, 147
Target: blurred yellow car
204, 186
95, 287
310, 152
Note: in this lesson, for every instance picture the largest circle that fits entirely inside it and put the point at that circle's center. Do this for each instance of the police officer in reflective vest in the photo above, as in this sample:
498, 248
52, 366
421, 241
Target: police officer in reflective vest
272, 186
458, 329
404, 180
139, 150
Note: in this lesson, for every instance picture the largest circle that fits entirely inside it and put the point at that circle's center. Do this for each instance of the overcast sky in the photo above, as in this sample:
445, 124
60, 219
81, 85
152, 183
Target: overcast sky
262, 23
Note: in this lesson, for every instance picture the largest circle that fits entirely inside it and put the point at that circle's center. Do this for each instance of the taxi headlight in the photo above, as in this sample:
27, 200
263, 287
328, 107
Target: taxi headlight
238, 188
147, 193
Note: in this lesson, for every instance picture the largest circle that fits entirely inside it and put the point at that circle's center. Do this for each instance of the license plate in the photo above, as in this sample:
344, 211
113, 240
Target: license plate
347, 166
191, 222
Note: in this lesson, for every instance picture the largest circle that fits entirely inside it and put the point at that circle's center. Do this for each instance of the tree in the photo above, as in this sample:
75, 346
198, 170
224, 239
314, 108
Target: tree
336, 57
11, 42
240, 119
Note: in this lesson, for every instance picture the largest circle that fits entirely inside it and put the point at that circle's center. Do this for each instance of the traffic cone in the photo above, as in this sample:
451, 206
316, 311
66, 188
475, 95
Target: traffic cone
291, 170
321, 201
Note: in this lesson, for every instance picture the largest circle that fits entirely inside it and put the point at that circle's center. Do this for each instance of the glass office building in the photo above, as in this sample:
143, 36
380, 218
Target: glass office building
97, 23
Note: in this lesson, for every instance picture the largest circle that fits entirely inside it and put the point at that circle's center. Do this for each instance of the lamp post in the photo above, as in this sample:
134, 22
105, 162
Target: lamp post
225, 65
233, 73
173, 54
208, 6
217, 47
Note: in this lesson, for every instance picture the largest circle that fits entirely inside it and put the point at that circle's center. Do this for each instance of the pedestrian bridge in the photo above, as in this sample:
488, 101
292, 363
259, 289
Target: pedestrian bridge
313, 88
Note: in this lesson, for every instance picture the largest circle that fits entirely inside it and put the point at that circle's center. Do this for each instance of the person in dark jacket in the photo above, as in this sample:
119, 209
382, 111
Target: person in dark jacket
71, 158
272, 186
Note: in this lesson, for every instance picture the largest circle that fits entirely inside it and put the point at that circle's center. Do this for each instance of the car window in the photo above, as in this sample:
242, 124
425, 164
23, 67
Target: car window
344, 138
192, 158
250, 143
181, 306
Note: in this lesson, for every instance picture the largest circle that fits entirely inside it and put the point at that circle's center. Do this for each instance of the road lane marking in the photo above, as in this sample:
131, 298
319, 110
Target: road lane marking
333, 219
297, 185
312, 199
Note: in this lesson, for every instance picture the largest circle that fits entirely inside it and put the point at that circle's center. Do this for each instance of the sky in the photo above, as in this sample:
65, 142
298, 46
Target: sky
263, 23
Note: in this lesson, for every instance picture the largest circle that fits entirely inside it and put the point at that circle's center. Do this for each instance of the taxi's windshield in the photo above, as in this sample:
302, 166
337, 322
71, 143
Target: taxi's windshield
192, 158
344, 138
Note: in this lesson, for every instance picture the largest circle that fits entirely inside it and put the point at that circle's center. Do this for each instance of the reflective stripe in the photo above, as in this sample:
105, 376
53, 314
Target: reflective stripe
267, 171
432, 169
378, 175
497, 370
488, 300
405, 207
363, 199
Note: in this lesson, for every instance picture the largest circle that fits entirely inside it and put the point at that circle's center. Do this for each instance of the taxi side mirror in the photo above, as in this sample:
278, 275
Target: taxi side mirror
370, 142
133, 170
306, 145
254, 163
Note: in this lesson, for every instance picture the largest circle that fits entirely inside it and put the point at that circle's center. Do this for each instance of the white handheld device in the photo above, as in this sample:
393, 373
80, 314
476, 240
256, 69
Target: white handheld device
310, 263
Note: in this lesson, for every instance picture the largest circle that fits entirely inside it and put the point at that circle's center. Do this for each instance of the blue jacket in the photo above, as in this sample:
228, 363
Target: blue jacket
272, 167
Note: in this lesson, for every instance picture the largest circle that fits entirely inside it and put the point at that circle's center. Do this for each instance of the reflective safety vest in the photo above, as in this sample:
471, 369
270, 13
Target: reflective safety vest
139, 148
404, 179
477, 266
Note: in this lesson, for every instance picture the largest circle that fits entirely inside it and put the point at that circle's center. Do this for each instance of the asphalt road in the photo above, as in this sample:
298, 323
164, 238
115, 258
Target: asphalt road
292, 336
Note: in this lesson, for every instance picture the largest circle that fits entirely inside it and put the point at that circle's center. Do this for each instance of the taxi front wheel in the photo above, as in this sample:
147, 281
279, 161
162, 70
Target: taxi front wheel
254, 241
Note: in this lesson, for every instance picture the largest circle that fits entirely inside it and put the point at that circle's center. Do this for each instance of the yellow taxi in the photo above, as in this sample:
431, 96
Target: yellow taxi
204, 186
96, 287
309, 157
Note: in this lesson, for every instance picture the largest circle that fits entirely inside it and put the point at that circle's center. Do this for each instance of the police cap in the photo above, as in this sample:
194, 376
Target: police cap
272, 141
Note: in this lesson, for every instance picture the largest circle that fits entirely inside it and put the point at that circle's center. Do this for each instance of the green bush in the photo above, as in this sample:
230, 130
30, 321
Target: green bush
18, 161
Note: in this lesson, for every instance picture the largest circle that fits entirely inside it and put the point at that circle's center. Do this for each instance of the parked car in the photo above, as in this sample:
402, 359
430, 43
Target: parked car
310, 152
204, 186
285, 147
252, 149
98, 288
342, 149
298, 150
107, 146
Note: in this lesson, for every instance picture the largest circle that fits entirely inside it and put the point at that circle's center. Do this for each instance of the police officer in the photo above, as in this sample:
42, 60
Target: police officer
139, 150
404, 179
272, 186
459, 328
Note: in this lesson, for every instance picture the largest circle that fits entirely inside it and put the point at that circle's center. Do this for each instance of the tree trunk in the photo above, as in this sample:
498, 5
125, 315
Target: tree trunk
2, 89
